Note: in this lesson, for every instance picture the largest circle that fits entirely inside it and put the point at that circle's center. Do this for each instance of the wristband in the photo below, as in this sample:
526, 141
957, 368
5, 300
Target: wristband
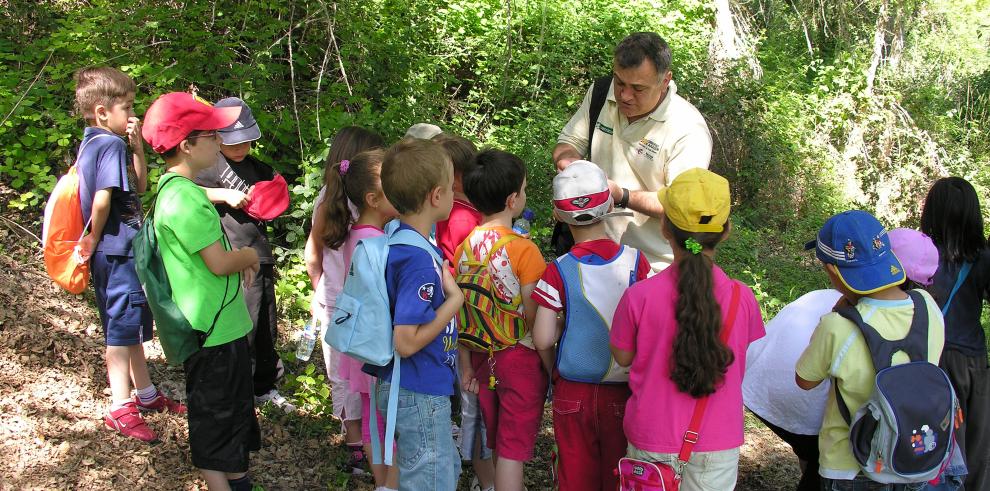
624, 202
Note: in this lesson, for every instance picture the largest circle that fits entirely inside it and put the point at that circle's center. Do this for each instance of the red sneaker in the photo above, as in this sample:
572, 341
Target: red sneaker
161, 404
128, 421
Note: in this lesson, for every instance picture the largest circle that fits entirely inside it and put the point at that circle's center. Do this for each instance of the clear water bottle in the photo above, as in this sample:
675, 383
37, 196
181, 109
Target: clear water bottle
522, 224
308, 339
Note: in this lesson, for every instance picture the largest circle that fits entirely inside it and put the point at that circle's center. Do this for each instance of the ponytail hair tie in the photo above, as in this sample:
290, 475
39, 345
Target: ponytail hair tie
692, 245
344, 165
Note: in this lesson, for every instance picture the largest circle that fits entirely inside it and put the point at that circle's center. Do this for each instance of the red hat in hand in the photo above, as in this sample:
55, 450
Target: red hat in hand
173, 116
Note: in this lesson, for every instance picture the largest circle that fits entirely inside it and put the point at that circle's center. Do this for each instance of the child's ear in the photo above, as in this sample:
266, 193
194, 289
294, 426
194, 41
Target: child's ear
435, 196
100, 112
371, 199
510, 202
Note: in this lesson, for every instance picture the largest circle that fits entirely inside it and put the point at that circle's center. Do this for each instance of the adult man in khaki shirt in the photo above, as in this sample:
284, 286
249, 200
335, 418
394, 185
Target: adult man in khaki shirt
644, 137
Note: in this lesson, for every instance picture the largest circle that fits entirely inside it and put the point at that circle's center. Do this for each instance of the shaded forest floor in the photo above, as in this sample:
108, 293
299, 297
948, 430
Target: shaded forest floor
53, 392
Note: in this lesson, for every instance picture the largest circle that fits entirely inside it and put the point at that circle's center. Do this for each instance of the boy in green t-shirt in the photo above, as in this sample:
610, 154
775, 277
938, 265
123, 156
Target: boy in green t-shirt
205, 276
855, 252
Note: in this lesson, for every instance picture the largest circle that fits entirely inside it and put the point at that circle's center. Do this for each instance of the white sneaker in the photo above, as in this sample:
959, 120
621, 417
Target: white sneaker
275, 398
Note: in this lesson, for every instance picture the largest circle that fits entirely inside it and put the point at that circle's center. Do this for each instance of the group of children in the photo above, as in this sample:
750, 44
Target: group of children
639, 365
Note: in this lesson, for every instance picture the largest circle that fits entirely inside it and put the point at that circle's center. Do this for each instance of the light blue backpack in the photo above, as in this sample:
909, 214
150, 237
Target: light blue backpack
361, 324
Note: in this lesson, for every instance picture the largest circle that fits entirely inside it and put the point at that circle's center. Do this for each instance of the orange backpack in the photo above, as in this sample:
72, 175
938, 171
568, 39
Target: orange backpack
63, 229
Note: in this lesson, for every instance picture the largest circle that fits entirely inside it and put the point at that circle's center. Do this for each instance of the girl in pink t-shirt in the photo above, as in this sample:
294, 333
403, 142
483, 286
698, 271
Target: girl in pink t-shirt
667, 330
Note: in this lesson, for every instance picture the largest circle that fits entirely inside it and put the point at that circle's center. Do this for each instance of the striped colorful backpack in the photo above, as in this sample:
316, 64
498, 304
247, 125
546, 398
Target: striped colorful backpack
486, 322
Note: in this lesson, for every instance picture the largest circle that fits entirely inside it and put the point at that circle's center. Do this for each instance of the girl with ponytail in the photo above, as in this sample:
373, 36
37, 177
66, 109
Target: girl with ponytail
351, 206
683, 334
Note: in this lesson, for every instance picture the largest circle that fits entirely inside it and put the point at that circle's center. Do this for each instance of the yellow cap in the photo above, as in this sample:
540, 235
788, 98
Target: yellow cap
697, 201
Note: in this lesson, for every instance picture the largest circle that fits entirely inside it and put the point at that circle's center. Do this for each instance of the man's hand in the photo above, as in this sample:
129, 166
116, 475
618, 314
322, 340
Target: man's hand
235, 198
564, 162
134, 138
616, 190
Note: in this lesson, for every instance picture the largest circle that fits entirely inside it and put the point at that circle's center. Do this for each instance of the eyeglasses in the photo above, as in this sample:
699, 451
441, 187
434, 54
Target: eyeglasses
207, 134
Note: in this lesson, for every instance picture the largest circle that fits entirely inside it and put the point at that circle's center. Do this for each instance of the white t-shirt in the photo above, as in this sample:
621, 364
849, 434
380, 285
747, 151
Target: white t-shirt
769, 389
645, 155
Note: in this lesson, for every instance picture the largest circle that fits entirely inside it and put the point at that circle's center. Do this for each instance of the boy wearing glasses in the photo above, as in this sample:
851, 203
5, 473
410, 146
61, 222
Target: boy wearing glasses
205, 275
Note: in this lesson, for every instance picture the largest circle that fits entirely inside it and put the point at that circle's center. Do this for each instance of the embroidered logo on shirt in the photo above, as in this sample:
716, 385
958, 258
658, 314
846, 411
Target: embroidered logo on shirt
604, 129
647, 148
426, 292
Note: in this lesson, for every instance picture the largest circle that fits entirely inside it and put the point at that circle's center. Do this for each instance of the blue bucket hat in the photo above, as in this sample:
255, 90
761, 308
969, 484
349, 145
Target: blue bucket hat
245, 129
857, 244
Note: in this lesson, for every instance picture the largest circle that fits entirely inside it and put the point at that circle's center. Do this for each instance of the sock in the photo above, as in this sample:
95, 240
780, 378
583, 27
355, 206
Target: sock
147, 395
115, 405
242, 484
383, 488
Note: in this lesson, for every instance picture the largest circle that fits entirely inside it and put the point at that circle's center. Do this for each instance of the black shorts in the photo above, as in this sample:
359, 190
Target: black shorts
220, 401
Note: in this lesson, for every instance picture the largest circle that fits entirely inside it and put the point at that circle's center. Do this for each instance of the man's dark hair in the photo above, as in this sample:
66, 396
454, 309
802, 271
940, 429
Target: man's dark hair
640, 46
496, 175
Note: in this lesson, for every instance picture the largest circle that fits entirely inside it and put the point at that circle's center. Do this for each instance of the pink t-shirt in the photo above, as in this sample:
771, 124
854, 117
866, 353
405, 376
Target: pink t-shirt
657, 414
452, 231
349, 368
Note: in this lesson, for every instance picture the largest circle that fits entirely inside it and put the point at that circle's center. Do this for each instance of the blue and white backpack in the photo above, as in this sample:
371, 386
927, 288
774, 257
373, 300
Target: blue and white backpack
904, 432
361, 324
592, 289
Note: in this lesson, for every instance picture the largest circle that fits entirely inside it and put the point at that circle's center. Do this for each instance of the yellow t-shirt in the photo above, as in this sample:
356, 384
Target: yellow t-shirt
645, 155
838, 350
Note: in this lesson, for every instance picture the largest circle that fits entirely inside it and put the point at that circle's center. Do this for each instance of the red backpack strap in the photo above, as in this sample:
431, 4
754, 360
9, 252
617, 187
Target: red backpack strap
691, 435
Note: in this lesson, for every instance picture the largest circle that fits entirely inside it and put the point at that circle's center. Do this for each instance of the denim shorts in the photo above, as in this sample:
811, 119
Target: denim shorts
426, 454
706, 471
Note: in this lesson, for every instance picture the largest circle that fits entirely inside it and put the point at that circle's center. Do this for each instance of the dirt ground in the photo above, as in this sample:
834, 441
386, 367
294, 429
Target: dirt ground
53, 392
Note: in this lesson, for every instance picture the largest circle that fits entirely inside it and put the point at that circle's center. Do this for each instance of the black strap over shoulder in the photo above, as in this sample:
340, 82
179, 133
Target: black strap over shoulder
882, 350
599, 92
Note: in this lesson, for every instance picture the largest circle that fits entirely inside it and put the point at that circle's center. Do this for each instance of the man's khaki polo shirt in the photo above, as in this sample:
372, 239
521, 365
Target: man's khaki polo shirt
645, 155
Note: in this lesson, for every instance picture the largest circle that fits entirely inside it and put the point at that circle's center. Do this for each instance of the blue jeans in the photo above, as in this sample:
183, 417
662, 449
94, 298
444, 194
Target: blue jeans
864, 484
426, 454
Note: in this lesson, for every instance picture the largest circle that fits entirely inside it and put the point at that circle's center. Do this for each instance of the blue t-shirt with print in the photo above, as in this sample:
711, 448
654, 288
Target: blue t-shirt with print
102, 164
415, 292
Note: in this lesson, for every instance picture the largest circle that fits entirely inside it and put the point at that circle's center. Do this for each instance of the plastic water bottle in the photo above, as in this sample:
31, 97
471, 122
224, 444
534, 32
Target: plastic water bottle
308, 339
522, 224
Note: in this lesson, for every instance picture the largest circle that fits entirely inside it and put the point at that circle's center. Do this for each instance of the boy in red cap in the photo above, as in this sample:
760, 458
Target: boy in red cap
204, 273
111, 176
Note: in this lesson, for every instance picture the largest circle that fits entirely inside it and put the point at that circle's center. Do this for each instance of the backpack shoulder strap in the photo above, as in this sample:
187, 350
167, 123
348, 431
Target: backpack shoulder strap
412, 238
500, 243
692, 434
599, 92
960, 278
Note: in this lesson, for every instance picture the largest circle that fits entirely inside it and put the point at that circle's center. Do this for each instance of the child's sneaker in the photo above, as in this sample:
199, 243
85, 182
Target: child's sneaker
161, 404
128, 421
275, 398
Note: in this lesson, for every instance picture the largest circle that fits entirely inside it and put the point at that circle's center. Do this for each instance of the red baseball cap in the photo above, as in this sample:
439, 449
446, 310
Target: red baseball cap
173, 116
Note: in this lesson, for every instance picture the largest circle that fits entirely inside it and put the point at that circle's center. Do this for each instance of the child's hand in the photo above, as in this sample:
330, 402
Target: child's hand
134, 138
85, 247
468, 381
235, 198
450, 289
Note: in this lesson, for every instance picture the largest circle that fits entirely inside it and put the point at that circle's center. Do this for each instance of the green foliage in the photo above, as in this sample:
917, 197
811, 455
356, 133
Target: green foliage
310, 391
